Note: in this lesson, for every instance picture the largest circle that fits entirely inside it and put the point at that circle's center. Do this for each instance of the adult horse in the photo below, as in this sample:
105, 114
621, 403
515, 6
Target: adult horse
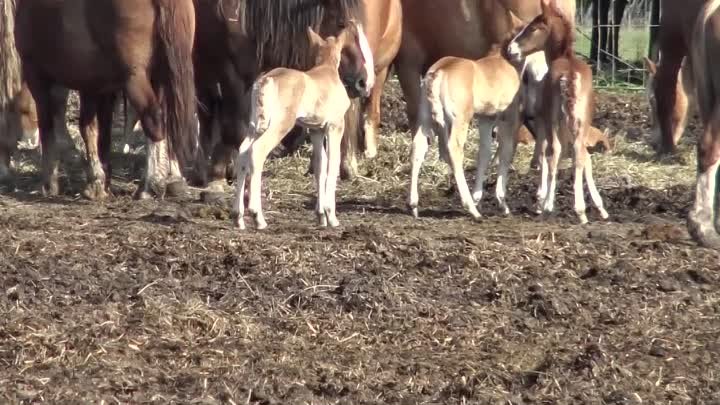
238, 39
704, 41
102, 47
677, 18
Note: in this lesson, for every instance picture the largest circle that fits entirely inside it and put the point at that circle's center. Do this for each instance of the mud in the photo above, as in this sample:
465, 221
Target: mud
163, 302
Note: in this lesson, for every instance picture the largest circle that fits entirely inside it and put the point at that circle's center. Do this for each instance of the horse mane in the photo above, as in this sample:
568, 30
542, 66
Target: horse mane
279, 27
568, 35
10, 72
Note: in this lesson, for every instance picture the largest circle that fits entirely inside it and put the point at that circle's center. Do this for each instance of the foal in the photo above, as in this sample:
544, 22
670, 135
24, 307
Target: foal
454, 90
316, 100
568, 110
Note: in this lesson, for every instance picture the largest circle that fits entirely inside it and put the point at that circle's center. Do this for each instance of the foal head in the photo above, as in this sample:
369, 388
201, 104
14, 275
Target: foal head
550, 31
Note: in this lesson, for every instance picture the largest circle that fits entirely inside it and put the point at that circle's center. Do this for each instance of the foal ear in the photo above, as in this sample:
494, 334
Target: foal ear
650, 65
315, 39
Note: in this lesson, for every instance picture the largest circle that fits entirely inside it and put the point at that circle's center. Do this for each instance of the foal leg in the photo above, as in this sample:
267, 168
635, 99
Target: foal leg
334, 139
702, 215
259, 152
553, 162
242, 170
581, 157
456, 145
372, 124
506, 152
419, 150
483, 157
320, 157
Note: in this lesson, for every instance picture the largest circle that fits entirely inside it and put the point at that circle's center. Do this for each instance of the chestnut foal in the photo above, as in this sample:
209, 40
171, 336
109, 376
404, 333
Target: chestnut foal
454, 90
316, 100
568, 112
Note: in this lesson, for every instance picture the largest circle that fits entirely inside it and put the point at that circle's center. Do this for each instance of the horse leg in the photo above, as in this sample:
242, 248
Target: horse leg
334, 138
484, 152
95, 187
205, 113
665, 87
46, 105
143, 99
701, 218
372, 124
350, 140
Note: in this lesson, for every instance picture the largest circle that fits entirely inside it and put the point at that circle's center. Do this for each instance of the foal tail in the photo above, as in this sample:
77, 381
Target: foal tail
702, 74
174, 74
569, 90
433, 81
259, 118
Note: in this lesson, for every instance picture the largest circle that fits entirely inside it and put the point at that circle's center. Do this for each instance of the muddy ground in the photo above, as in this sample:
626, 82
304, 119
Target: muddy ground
164, 302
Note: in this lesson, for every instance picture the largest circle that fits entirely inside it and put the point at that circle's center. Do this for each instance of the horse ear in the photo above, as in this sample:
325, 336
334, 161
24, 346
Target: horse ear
544, 5
315, 39
650, 66
515, 21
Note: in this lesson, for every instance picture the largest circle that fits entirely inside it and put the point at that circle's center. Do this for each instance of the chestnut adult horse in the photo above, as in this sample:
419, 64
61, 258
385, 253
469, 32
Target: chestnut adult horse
704, 41
462, 28
676, 22
102, 47
236, 40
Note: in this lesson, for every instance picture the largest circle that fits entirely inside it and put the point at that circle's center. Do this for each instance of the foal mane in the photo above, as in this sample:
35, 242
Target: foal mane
10, 75
278, 27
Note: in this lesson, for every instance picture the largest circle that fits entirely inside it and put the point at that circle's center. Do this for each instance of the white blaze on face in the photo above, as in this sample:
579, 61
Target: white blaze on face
367, 55
514, 48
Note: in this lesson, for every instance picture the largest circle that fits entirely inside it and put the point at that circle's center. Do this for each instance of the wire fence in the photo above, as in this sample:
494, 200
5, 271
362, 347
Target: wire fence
616, 44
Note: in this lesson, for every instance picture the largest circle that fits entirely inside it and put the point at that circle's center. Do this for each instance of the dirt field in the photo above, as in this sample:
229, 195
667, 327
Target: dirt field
163, 302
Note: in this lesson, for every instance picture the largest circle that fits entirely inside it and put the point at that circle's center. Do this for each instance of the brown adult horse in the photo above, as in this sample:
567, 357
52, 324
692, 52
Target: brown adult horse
469, 28
677, 19
236, 40
703, 221
383, 26
99, 48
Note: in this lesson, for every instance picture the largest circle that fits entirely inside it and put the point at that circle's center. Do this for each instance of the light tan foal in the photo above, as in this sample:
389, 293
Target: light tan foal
455, 90
282, 98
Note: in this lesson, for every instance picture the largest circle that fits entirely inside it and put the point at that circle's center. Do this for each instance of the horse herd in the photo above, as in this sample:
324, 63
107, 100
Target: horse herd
272, 71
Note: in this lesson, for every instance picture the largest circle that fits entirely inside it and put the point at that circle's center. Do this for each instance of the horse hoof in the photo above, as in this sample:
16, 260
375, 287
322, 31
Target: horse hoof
142, 194
95, 191
583, 218
370, 153
704, 234
176, 189
260, 223
603, 213
414, 212
51, 190
239, 223
333, 222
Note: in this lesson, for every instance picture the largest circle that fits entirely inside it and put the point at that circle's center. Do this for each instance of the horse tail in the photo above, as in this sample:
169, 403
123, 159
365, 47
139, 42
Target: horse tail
10, 73
262, 89
701, 74
174, 74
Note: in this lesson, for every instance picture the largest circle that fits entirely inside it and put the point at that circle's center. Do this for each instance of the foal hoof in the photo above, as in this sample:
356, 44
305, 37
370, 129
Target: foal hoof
414, 211
95, 191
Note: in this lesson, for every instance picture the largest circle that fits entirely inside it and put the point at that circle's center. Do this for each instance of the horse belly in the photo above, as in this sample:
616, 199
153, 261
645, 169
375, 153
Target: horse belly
65, 49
